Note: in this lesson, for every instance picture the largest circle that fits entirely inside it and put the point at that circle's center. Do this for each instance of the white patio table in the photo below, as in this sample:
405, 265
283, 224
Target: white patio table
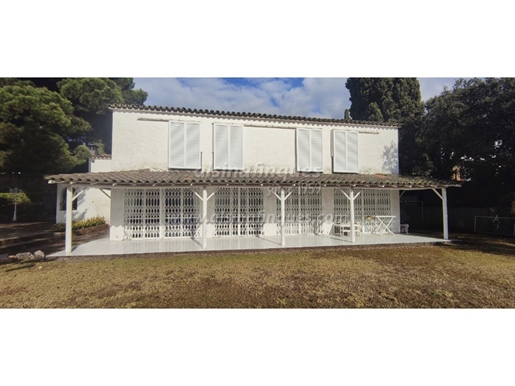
382, 225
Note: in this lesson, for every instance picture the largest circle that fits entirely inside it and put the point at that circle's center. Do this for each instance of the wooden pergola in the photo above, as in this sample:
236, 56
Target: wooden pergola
199, 181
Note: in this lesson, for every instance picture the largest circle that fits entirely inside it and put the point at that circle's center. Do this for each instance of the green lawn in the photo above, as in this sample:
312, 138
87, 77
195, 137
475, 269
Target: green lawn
478, 272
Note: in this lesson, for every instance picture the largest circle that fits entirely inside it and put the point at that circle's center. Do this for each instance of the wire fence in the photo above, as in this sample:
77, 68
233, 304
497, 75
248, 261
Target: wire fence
503, 226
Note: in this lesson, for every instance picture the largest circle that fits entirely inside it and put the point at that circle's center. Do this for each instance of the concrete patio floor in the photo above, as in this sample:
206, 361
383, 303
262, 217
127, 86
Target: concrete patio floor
106, 247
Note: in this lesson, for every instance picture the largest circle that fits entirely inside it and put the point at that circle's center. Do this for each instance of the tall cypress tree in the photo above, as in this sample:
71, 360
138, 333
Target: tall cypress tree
392, 100
384, 99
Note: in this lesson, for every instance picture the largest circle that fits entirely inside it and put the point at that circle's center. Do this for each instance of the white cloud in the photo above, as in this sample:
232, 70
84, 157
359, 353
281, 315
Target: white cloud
309, 97
313, 97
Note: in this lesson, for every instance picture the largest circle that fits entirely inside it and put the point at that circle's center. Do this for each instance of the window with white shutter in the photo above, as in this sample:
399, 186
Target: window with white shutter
345, 151
184, 145
309, 150
228, 147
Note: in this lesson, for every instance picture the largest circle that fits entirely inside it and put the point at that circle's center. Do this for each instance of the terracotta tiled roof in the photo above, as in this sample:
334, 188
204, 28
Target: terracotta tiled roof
148, 177
184, 110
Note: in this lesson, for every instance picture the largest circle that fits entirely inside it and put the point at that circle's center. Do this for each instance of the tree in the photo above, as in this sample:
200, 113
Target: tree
38, 131
384, 99
91, 98
472, 127
392, 100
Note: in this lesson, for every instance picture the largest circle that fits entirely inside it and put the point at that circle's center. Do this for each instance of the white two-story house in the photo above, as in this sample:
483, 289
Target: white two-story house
187, 173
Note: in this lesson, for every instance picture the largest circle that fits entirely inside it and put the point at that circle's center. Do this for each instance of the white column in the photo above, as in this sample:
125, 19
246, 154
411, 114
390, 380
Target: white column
283, 214
204, 217
69, 218
443, 197
444, 214
352, 231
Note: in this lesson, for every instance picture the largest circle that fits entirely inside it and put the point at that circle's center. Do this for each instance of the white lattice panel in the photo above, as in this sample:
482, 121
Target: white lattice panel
370, 202
133, 216
160, 213
341, 206
152, 208
303, 212
181, 213
239, 212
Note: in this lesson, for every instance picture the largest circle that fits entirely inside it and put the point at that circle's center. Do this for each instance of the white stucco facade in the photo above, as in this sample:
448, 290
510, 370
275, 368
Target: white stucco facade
140, 141
92, 202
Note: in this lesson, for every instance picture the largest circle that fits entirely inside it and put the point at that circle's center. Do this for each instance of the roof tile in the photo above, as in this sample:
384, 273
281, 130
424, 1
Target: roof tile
146, 177
250, 115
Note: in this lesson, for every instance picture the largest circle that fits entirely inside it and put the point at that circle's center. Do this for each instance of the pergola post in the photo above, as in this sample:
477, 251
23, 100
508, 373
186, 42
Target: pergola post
69, 218
445, 216
204, 217
352, 231
204, 198
283, 199
283, 213
351, 199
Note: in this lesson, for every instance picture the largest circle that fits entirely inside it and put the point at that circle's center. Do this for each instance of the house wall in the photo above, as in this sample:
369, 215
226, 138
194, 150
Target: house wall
92, 202
141, 142
99, 165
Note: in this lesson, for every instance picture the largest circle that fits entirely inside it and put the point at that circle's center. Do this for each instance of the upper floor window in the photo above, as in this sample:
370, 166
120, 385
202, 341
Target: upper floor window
309, 150
184, 145
345, 151
228, 147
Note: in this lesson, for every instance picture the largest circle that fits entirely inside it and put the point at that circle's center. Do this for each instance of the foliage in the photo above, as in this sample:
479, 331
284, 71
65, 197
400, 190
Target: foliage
472, 128
91, 98
392, 100
11, 198
81, 224
45, 122
38, 131
384, 99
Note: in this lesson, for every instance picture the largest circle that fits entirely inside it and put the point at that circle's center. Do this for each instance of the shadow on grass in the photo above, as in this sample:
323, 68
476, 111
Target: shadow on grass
497, 245
20, 266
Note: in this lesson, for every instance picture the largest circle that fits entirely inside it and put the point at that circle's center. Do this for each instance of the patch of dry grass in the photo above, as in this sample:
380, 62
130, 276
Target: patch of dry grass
475, 273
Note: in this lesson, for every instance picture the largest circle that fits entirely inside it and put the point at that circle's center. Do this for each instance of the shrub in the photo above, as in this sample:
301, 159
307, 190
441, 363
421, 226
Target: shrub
81, 224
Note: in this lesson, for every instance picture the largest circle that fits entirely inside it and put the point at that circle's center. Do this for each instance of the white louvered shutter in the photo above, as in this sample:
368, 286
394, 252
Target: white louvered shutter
316, 151
339, 151
176, 145
345, 151
236, 147
303, 150
352, 151
192, 146
221, 146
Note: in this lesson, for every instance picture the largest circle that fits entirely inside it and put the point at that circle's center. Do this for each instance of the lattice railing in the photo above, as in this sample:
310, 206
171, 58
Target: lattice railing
239, 212
370, 202
160, 213
181, 211
303, 212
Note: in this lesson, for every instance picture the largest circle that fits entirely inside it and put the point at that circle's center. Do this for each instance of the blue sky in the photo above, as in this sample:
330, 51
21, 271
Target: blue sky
310, 97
